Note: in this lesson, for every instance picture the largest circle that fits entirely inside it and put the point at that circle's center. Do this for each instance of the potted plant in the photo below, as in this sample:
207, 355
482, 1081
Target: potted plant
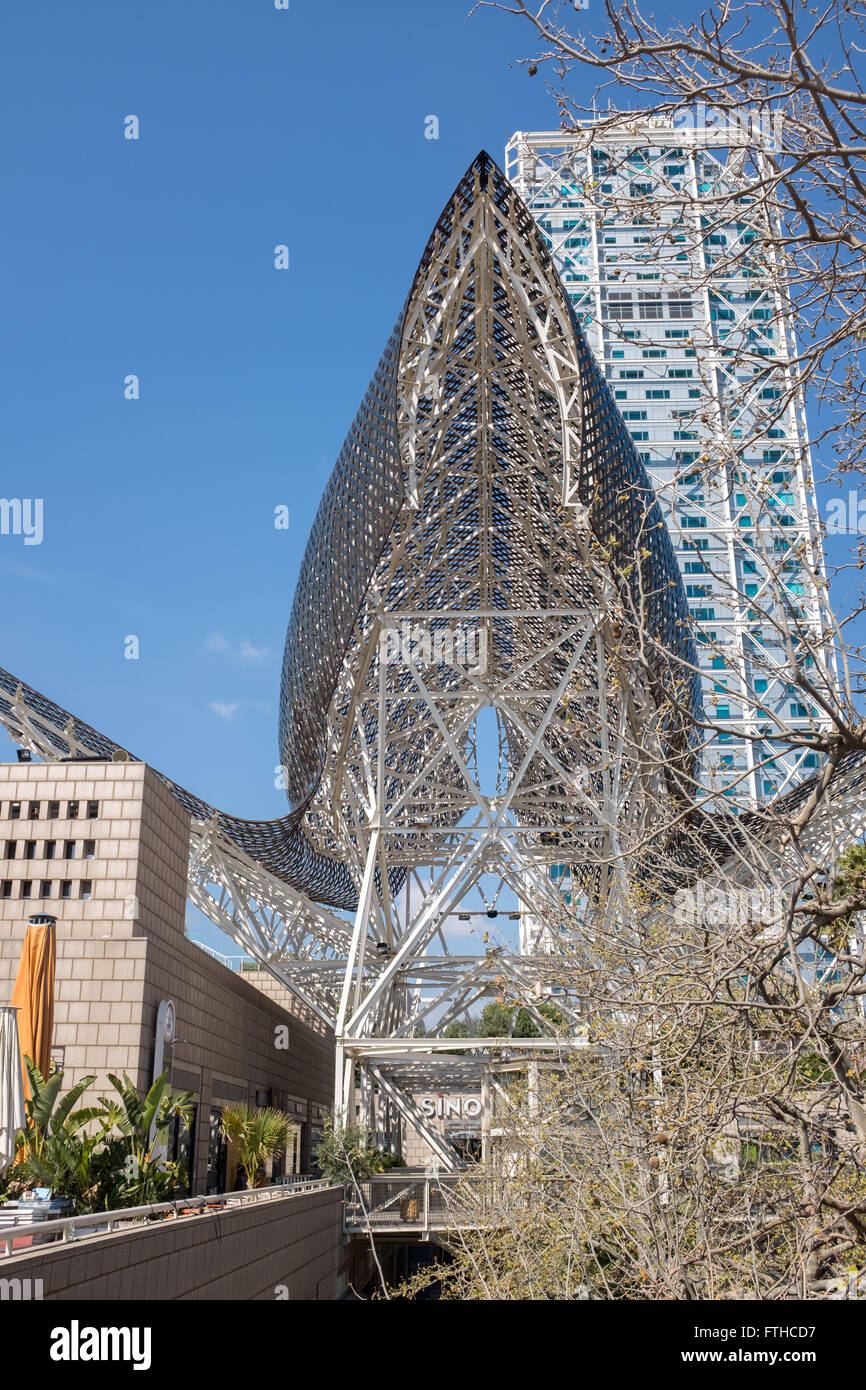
259, 1133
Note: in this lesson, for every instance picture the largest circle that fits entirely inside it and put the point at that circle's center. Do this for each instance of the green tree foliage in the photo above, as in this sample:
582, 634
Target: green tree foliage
347, 1154
554, 1016
139, 1175
850, 883
811, 1068
506, 1021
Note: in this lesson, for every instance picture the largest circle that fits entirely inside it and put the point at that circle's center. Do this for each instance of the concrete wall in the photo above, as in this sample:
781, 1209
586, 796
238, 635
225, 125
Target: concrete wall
294, 1244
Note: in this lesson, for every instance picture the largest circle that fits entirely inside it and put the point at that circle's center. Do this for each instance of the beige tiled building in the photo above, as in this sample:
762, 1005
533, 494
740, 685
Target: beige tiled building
103, 847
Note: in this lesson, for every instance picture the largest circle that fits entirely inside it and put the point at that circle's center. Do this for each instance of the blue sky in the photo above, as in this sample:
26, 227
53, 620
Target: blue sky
155, 257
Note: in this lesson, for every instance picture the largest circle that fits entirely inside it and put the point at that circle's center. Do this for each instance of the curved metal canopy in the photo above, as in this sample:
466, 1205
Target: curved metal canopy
487, 478
487, 468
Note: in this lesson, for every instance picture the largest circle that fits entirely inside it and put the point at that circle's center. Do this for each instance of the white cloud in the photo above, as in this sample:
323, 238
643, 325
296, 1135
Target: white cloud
31, 573
224, 711
455, 931
243, 650
247, 652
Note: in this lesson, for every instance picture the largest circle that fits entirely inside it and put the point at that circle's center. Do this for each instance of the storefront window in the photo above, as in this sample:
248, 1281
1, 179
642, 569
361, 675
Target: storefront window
315, 1136
217, 1153
180, 1147
466, 1143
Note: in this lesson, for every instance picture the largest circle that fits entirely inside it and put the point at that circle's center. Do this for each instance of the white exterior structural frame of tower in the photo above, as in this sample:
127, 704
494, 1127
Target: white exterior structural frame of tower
662, 322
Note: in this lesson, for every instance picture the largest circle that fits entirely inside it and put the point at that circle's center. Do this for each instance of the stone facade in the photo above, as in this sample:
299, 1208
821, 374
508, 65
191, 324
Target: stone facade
104, 849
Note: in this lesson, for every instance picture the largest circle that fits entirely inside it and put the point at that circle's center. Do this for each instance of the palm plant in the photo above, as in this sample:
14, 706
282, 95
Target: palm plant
259, 1134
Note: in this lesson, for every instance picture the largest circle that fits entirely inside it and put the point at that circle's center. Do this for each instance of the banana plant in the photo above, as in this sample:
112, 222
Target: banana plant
133, 1157
54, 1151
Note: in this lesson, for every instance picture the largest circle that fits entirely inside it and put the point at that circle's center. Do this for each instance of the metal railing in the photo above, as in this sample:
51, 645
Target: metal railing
100, 1223
300, 1180
411, 1204
239, 964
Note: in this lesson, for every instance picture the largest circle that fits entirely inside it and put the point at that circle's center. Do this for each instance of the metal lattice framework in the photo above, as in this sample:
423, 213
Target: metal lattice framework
488, 672
519, 483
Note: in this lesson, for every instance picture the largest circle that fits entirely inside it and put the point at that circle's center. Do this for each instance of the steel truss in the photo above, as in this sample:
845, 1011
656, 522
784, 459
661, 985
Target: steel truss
493, 541
488, 674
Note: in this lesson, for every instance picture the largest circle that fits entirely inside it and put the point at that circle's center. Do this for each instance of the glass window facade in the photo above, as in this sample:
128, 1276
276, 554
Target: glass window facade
675, 353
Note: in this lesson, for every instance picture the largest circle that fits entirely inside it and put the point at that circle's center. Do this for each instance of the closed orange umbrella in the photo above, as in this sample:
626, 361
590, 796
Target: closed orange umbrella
34, 993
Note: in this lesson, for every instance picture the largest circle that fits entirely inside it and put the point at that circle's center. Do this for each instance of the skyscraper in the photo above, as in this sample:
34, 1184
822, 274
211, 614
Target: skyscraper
684, 303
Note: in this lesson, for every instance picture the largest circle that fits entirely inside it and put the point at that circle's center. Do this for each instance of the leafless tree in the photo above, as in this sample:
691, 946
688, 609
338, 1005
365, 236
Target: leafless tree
710, 1141
783, 67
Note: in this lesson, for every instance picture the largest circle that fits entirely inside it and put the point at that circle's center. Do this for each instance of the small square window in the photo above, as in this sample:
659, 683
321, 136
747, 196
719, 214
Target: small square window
14, 810
89, 849
10, 849
66, 888
72, 810
92, 810
7, 888
53, 810
50, 849
29, 849
26, 888
85, 888
69, 850
33, 810
45, 890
